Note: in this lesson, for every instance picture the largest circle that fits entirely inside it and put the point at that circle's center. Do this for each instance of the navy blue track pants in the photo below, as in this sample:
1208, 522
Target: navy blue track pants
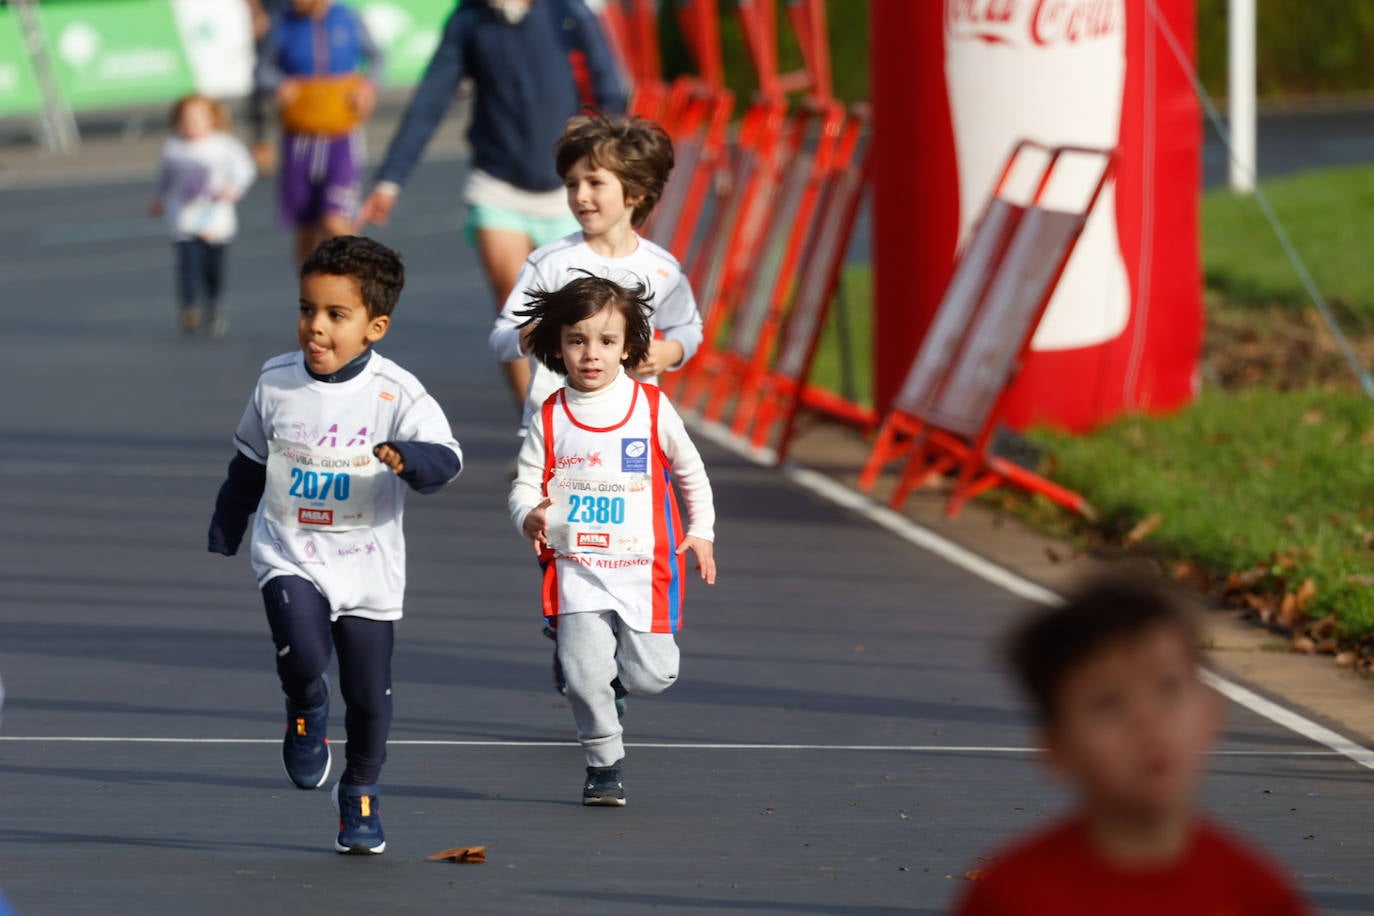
299, 617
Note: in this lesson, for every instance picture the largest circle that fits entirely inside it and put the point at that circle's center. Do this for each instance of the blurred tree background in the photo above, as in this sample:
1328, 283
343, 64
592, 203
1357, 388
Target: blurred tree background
1306, 47
848, 21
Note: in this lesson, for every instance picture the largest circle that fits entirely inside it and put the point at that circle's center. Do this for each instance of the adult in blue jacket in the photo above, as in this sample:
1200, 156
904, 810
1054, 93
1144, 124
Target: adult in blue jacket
534, 64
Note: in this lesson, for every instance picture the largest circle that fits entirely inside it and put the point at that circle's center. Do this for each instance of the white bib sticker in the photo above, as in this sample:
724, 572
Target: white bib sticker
601, 513
326, 489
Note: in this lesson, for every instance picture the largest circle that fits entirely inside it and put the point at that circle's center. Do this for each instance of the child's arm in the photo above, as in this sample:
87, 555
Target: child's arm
156, 206
364, 98
242, 489
527, 503
678, 318
507, 339
239, 170
425, 466
689, 474
423, 451
238, 499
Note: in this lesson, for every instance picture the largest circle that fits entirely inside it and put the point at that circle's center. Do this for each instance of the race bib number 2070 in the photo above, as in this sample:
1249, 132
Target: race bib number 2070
328, 489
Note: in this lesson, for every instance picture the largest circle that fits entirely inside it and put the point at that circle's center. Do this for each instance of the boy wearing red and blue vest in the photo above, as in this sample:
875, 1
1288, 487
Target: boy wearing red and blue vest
594, 491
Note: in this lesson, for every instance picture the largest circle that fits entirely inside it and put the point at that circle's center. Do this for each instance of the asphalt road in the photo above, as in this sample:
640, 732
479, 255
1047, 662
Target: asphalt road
840, 741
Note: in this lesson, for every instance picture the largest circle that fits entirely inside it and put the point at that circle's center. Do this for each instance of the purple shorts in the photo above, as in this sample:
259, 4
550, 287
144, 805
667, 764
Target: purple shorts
319, 176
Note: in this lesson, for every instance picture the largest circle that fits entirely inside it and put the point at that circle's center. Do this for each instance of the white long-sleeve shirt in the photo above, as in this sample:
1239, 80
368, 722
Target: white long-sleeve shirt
193, 173
605, 408
555, 264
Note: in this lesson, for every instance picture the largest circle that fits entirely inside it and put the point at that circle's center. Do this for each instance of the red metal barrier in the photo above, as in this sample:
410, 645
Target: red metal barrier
945, 414
784, 390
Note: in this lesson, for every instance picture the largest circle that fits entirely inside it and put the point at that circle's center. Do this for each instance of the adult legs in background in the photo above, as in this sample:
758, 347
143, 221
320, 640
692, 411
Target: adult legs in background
503, 252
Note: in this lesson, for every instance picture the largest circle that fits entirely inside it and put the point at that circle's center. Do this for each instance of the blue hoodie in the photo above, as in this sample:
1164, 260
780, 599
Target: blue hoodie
526, 89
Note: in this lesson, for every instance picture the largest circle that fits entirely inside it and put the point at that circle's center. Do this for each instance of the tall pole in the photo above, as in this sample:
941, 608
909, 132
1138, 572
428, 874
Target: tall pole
1241, 93
57, 124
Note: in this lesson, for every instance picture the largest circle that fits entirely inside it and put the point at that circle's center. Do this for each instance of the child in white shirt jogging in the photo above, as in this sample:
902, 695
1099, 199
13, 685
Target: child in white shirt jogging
203, 173
594, 491
333, 436
614, 172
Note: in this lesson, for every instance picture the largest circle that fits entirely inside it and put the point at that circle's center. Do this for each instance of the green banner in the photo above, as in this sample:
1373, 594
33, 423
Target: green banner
110, 53
407, 31
19, 93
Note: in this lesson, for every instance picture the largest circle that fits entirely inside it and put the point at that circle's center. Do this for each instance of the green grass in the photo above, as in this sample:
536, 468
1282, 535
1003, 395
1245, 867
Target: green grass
1241, 479
1329, 214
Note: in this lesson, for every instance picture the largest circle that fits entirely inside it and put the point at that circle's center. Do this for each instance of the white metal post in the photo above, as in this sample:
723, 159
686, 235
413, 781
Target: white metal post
1241, 93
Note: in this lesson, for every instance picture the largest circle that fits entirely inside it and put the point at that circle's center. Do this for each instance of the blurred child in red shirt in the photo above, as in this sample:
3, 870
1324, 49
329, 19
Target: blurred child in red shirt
1127, 722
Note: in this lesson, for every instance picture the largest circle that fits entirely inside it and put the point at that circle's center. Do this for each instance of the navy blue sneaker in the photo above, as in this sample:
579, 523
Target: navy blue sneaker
620, 694
305, 749
604, 786
360, 820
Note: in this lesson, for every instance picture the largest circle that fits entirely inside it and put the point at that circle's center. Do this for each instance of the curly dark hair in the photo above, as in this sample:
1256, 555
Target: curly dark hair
549, 311
637, 151
378, 270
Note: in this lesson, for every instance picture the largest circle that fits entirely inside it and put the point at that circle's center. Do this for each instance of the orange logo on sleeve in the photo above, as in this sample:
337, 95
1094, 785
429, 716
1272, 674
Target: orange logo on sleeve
387, 396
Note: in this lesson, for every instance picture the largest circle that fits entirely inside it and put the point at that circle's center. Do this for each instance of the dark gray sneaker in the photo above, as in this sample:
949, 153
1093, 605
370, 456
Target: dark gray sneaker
604, 786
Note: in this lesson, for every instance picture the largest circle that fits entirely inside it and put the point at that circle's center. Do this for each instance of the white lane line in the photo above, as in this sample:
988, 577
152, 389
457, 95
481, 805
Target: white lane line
1004, 578
671, 746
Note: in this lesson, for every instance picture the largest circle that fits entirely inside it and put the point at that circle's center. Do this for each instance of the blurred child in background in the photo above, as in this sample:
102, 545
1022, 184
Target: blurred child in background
322, 64
1127, 721
203, 173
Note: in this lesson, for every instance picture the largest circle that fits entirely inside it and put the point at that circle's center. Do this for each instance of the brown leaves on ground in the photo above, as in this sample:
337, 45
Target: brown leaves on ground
1143, 529
460, 854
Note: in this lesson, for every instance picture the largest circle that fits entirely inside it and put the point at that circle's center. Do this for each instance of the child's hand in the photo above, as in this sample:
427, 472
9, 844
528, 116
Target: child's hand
155, 208
390, 457
663, 354
706, 556
377, 208
536, 525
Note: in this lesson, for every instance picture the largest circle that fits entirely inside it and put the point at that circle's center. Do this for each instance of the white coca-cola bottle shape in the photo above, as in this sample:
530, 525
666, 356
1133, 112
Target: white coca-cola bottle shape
1052, 71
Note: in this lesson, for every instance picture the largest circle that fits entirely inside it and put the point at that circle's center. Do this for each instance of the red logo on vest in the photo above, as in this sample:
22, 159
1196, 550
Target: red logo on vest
315, 516
594, 539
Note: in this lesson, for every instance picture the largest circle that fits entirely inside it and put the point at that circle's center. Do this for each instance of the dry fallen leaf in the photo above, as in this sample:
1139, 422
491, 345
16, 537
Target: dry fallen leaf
974, 874
1143, 529
1289, 611
462, 854
1306, 592
1346, 659
1304, 644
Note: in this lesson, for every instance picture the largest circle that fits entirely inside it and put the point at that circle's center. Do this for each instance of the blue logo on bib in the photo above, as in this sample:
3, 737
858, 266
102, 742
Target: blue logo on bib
634, 456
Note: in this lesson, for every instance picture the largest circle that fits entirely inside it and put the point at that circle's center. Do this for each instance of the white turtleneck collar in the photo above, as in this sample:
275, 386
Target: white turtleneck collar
617, 393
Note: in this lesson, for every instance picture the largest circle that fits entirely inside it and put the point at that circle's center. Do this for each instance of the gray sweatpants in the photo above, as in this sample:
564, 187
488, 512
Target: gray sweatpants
595, 649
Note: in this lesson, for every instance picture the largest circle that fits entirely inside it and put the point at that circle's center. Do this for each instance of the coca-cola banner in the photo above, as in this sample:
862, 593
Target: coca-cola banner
956, 83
